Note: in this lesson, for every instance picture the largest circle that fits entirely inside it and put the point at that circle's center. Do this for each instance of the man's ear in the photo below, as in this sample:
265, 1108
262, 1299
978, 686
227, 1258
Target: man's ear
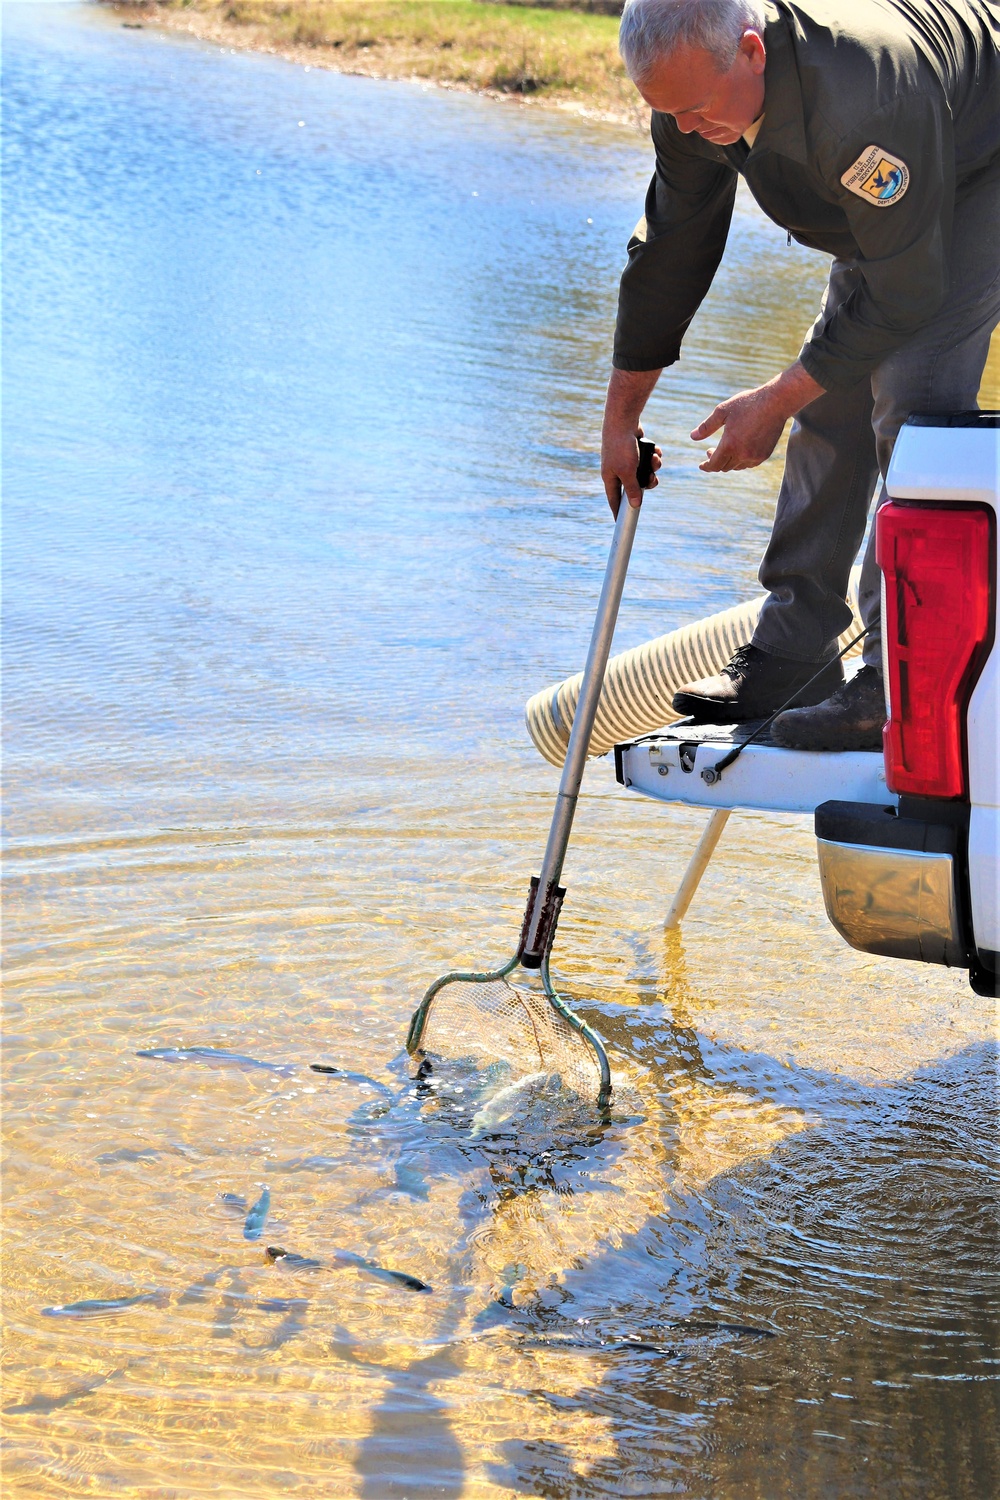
753, 49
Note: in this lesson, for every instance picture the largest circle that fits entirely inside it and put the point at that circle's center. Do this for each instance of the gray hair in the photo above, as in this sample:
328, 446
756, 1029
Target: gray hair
652, 29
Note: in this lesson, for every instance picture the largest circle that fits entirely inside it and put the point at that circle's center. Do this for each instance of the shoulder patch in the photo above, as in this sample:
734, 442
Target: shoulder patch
877, 177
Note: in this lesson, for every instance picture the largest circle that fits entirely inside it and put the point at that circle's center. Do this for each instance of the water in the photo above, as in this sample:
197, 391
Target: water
302, 504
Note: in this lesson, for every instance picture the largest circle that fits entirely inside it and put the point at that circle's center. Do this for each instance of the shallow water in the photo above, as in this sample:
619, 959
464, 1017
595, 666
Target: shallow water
302, 504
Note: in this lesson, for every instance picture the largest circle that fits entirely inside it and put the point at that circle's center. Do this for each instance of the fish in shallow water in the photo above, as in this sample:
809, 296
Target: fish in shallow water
257, 1217
41, 1402
277, 1254
216, 1057
596, 1345
127, 1153
308, 1164
381, 1273
288, 1258
96, 1307
502, 1106
344, 1075
739, 1330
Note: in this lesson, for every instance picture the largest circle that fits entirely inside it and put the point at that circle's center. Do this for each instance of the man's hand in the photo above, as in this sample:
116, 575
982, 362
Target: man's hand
628, 392
753, 421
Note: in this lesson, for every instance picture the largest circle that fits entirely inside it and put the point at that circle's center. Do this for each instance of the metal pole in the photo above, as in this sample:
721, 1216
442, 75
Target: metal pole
697, 865
586, 711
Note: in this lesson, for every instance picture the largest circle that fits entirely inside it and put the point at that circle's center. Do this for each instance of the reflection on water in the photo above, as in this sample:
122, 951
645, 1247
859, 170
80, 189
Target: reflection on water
302, 504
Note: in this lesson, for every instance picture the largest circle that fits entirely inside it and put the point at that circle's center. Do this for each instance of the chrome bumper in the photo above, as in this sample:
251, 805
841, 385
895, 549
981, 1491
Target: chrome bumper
885, 893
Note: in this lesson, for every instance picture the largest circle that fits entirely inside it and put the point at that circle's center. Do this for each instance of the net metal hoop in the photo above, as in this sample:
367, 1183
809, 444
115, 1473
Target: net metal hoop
418, 1022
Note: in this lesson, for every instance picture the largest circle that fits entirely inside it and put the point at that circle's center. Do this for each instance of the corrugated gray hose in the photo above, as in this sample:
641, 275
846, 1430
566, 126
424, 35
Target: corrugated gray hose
639, 684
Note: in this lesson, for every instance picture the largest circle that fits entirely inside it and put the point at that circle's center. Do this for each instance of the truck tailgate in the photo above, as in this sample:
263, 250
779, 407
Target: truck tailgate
766, 778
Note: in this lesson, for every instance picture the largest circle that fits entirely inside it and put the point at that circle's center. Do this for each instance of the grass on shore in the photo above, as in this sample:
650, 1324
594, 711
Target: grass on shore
554, 54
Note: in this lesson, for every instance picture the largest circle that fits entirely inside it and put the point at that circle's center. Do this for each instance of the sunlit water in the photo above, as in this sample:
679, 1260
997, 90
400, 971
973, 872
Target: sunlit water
302, 504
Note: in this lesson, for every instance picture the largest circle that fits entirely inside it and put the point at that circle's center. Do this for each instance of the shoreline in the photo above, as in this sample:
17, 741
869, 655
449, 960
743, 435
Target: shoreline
417, 58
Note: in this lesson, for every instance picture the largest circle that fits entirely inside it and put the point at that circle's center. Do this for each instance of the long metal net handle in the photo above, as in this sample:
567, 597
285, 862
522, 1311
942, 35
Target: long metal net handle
540, 928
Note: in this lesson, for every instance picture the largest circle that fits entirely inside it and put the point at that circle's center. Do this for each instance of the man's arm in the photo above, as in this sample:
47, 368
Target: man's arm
676, 248
672, 257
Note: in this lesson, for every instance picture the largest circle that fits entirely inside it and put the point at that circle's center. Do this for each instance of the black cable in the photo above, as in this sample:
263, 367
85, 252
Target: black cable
712, 774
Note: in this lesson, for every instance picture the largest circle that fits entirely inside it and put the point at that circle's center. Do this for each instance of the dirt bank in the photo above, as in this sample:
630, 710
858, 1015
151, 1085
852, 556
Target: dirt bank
551, 55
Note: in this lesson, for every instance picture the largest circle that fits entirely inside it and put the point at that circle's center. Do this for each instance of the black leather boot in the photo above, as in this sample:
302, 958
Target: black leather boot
851, 719
752, 686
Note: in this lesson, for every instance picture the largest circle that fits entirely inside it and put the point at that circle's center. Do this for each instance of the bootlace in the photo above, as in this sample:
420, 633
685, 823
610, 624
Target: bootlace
853, 686
740, 661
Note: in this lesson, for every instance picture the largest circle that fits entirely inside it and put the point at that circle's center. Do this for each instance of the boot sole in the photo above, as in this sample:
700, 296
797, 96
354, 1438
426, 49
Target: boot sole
711, 711
708, 711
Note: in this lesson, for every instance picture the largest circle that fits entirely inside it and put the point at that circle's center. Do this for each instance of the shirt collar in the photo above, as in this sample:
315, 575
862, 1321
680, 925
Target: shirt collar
783, 129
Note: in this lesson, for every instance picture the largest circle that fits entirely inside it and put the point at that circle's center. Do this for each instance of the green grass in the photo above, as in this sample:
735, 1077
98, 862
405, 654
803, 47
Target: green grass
552, 53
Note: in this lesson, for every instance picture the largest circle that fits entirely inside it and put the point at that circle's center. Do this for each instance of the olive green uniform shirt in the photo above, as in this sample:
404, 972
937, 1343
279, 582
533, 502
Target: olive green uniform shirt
878, 115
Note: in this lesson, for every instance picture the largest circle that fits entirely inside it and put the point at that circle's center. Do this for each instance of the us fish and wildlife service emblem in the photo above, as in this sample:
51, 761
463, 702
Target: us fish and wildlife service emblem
877, 177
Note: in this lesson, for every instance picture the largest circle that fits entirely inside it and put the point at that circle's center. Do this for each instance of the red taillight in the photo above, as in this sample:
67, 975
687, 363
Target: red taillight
937, 562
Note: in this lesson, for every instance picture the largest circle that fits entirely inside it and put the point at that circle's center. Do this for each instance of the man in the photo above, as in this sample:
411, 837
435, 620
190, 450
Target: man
870, 130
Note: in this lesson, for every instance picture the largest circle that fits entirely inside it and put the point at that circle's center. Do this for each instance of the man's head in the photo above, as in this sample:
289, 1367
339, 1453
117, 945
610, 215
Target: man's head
701, 61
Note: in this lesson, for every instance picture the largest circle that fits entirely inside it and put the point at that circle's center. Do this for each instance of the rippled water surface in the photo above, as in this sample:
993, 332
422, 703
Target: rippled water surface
303, 387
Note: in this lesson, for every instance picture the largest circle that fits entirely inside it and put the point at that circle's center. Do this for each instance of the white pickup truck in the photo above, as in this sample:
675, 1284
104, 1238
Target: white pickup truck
909, 839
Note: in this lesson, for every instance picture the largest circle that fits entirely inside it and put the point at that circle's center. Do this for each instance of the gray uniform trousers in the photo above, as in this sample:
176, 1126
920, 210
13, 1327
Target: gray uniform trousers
841, 443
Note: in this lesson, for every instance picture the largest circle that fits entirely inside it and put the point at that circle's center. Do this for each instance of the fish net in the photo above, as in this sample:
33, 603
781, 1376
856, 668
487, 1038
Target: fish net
482, 1021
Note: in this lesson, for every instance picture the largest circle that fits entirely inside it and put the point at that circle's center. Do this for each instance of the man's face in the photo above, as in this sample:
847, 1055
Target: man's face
718, 105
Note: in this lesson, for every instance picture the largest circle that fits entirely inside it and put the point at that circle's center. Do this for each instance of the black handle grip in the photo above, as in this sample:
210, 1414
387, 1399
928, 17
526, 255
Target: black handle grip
644, 472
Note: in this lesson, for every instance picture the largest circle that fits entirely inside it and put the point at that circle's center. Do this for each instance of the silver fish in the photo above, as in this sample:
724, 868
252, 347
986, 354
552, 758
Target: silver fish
40, 1402
506, 1102
277, 1254
557, 1341
344, 1075
95, 1307
381, 1273
257, 1217
740, 1330
289, 1259
127, 1153
216, 1057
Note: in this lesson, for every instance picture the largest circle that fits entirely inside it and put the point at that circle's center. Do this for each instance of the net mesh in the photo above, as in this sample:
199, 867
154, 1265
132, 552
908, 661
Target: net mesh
485, 1021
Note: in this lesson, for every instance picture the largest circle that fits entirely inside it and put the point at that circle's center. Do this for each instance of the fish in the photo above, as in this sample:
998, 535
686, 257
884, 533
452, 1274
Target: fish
233, 1301
410, 1179
291, 1325
596, 1346
40, 1402
309, 1164
199, 1291
289, 1258
278, 1254
506, 1102
497, 1310
126, 1153
96, 1307
257, 1217
740, 1330
235, 1201
381, 1273
216, 1057
345, 1075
